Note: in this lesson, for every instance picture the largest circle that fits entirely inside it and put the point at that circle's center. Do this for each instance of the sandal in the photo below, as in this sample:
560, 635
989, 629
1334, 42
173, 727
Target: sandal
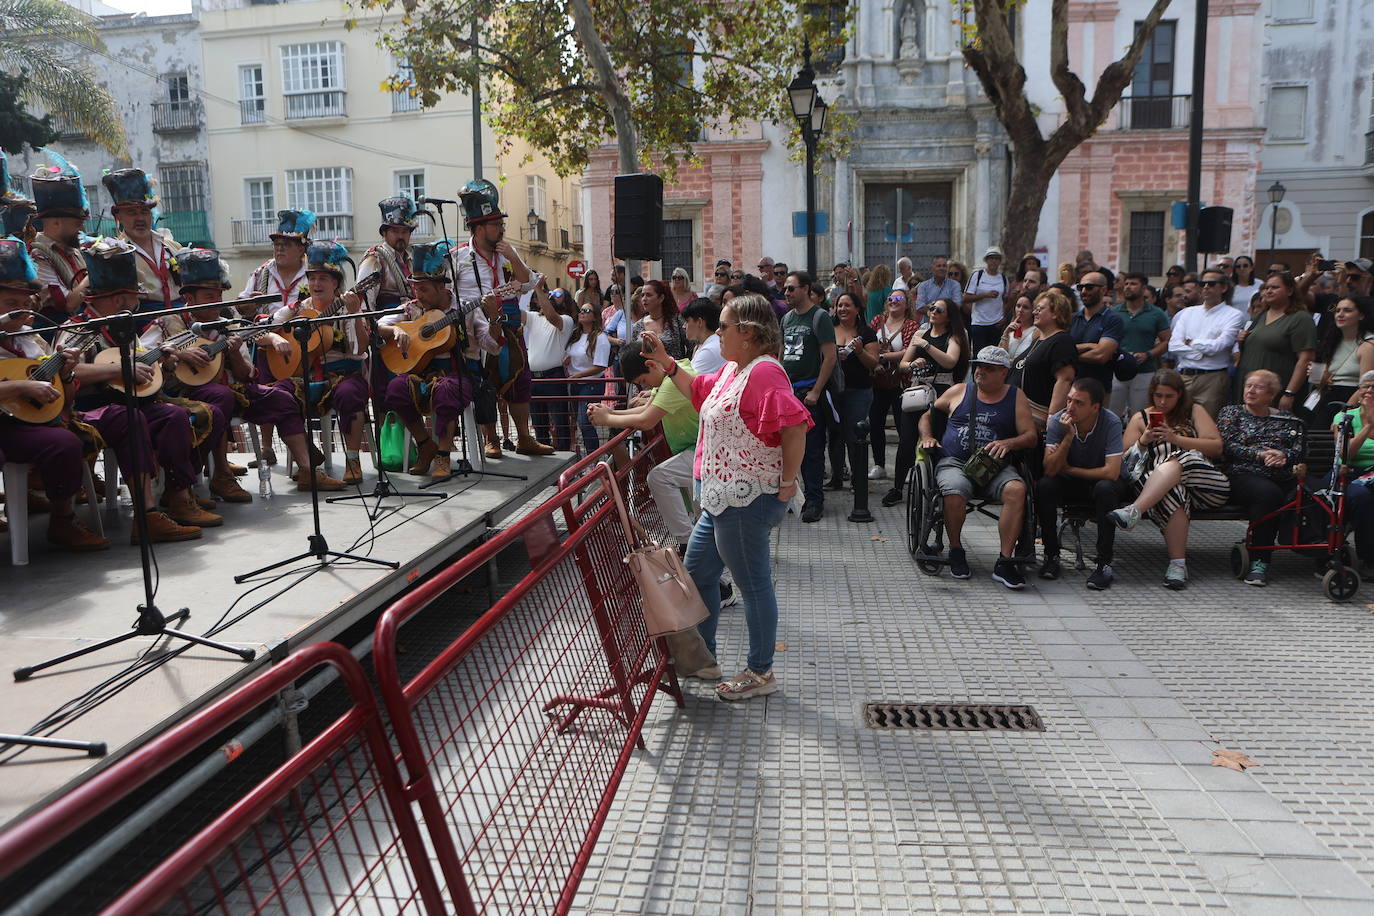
747, 684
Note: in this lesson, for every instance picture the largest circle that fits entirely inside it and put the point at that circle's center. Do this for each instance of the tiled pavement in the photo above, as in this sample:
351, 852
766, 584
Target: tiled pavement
789, 804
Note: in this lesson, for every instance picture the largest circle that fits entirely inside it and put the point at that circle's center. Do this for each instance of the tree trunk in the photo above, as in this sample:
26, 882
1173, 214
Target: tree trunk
1033, 165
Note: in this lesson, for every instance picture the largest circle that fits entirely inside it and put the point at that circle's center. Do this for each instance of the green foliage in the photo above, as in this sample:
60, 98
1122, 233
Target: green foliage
682, 64
38, 36
17, 125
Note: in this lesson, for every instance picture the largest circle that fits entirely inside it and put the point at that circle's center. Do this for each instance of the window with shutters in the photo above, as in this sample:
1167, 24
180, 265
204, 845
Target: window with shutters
1287, 112
677, 247
252, 95
182, 187
1146, 253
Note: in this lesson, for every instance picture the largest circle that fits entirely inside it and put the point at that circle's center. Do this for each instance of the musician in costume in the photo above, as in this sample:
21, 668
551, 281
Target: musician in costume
449, 382
489, 268
56, 452
283, 275
390, 261
164, 431
15, 208
59, 217
134, 207
338, 377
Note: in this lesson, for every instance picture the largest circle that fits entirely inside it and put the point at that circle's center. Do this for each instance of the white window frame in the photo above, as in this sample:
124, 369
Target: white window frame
402, 102
248, 211
537, 196
1308, 16
299, 195
298, 78
401, 191
1302, 119
260, 99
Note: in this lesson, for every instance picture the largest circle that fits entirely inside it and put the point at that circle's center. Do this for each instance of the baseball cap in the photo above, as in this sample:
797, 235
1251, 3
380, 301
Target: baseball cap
1364, 265
992, 356
993, 251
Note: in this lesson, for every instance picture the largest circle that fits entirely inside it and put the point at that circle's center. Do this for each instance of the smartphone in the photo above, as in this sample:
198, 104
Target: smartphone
1326, 264
1156, 418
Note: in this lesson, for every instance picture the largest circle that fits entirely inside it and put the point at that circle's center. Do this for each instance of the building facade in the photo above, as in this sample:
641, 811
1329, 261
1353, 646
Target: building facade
1318, 80
299, 120
1115, 193
151, 65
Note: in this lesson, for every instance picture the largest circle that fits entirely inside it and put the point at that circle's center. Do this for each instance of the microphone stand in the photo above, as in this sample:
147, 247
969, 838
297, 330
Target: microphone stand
462, 467
383, 488
151, 621
318, 547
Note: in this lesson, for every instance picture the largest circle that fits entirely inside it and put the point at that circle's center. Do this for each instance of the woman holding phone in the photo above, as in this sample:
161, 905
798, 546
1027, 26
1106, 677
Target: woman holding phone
1174, 442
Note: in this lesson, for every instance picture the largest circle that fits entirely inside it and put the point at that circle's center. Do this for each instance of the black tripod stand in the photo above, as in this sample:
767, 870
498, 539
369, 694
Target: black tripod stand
301, 329
151, 621
383, 489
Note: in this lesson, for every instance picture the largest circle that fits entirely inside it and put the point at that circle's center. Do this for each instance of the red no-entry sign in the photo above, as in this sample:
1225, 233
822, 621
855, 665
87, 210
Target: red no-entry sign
577, 269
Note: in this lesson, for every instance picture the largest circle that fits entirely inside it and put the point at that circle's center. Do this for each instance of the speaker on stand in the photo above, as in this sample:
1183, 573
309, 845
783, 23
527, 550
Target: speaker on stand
638, 229
1214, 229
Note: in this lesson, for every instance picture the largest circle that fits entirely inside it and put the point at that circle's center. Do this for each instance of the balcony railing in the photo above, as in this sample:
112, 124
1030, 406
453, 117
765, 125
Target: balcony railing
403, 101
174, 117
316, 105
1154, 112
577, 234
258, 231
66, 129
252, 111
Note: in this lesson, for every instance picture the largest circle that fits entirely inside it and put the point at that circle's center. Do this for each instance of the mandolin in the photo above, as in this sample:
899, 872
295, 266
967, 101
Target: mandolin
192, 377
321, 337
430, 334
46, 369
151, 357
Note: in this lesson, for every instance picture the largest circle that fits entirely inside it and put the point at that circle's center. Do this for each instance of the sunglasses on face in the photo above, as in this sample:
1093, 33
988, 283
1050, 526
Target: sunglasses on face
584, 311
1083, 287
937, 311
790, 288
737, 276
779, 273
1212, 283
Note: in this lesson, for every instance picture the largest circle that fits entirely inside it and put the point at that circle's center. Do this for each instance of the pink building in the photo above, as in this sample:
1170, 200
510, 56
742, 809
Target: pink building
713, 210
1116, 191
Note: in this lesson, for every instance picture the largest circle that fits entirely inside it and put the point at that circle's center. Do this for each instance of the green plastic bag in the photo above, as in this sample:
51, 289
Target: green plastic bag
392, 446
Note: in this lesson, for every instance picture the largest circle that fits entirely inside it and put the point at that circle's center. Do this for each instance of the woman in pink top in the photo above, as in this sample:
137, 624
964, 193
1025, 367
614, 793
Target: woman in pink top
749, 449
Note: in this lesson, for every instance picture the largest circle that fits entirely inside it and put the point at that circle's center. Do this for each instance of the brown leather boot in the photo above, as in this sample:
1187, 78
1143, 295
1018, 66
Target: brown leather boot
531, 446
185, 510
68, 531
427, 450
204, 502
353, 471
237, 470
162, 529
493, 449
323, 481
226, 487
440, 470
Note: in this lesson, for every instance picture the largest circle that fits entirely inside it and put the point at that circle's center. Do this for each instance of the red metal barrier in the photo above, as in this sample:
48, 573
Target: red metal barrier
555, 411
513, 784
328, 832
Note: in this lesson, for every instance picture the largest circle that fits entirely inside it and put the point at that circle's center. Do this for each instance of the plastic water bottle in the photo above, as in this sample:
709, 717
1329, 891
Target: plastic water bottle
264, 480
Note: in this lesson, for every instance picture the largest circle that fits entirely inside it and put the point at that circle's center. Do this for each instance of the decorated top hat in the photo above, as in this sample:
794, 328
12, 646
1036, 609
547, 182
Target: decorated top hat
111, 267
328, 257
398, 211
481, 202
58, 194
130, 188
430, 261
294, 225
17, 270
14, 215
199, 268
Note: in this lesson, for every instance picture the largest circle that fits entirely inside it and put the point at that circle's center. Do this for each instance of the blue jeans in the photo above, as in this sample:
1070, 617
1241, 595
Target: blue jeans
551, 420
1359, 517
813, 459
739, 538
590, 438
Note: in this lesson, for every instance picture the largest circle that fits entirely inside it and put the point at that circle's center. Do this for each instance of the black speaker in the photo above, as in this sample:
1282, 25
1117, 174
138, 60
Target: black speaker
638, 217
1214, 230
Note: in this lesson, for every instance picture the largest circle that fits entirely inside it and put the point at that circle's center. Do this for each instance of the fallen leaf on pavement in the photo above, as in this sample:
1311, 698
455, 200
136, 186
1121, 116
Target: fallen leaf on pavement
875, 538
1232, 760
781, 647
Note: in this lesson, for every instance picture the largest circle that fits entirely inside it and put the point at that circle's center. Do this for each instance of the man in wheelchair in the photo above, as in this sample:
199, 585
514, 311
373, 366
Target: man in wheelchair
988, 421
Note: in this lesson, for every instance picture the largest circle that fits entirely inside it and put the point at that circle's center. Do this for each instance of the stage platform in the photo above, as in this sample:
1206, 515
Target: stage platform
62, 601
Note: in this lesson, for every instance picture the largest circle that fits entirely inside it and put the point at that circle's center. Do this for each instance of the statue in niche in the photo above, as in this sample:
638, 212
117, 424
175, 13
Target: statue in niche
909, 47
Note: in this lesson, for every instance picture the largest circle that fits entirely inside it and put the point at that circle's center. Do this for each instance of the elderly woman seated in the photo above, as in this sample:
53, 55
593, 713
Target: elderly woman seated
1172, 444
1260, 446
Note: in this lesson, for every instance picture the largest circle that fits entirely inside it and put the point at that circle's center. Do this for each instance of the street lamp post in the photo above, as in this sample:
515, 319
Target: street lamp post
810, 111
1276, 192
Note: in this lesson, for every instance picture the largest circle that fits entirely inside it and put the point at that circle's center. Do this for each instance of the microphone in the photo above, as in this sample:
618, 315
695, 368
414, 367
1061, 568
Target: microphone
10, 316
437, 200
200, 327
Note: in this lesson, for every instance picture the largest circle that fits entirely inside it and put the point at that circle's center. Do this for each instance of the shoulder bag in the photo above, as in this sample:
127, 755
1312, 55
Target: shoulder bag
669, 597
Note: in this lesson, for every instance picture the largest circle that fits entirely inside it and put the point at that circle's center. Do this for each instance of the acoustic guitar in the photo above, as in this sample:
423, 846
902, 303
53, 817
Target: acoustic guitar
430, 335
151, 357
192, 377
46, 369
321, 337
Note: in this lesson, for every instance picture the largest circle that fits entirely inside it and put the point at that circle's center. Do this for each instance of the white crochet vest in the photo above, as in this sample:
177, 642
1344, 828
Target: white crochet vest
736, 466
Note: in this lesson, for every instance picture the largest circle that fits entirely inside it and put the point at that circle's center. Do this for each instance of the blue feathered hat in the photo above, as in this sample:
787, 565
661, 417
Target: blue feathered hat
294, 225
15, 208
130, 188
17, 270
430, 261
57, 189
326, 256
199, 268
112, 268
481, 202
398, 211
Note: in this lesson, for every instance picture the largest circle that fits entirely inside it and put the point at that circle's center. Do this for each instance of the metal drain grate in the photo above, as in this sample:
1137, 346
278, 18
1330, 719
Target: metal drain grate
953, 717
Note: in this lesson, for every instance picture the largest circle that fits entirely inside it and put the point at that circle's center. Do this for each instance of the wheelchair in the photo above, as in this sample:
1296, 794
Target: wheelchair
925, 513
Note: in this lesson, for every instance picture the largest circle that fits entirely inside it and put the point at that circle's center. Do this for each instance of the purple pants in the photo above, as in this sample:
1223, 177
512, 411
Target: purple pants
449, 397
349, 398
219, 426
273, 405
55, 452
165, 435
